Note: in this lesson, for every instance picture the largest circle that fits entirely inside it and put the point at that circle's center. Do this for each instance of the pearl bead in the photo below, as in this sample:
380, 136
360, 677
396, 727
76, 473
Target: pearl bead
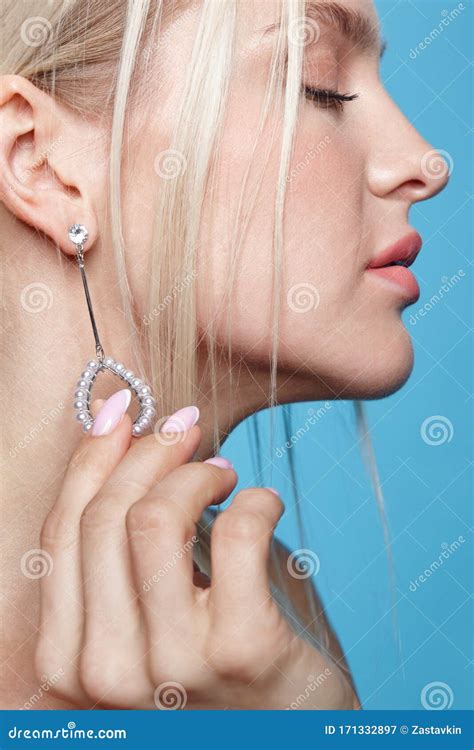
92, 365
149, 401
119, 367
86, 374
144, 422
136, 429
87, 426
148, 412
79, 404
145, 390
128, 374
82, 416
82, 383
80, 393
109, 361
136, 382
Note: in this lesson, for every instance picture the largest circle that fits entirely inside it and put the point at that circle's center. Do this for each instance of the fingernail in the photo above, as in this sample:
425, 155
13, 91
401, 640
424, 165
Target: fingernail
272, 489
181, 420
223, 463
111, 413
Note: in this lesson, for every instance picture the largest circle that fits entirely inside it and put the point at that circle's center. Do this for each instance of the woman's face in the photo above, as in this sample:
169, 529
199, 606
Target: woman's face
355, 171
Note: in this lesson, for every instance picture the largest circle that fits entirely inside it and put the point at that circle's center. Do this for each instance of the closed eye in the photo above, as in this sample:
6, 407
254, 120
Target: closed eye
328, 98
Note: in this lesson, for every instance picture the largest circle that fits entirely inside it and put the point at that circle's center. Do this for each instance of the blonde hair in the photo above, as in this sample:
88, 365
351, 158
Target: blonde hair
95, 58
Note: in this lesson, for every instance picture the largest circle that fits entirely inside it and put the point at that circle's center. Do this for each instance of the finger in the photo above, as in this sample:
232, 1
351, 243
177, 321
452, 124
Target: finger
61, 611
162, 530
113, 623
240, 549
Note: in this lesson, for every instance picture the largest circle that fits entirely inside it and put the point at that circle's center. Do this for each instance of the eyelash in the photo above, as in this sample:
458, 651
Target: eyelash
327, 98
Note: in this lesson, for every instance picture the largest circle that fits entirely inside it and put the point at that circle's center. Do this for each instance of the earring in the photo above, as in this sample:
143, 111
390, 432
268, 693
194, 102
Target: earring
78, 235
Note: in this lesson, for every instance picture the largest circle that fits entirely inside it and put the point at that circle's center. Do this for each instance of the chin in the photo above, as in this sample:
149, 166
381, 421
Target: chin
388, 371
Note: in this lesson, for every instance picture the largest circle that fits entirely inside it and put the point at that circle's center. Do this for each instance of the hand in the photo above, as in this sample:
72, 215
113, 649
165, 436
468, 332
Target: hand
126, 620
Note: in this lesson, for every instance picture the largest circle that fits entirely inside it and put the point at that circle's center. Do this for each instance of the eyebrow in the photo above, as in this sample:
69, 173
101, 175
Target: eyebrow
351, 23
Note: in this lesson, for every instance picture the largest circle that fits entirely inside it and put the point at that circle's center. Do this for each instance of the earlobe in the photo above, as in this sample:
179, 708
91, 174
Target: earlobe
40, 182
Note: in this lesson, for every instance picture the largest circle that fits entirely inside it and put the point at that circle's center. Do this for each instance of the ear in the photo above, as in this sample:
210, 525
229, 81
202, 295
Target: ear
50, 173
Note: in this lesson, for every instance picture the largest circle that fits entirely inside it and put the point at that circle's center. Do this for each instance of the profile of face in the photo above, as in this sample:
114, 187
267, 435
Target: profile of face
356, 168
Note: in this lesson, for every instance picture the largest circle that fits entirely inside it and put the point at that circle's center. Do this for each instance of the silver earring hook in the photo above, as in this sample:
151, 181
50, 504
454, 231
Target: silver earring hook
79, 235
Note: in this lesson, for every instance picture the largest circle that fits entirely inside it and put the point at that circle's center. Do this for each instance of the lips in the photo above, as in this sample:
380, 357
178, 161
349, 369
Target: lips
392, 265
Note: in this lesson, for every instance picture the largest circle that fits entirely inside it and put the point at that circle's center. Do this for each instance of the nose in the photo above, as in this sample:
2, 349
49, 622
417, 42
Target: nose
401, 162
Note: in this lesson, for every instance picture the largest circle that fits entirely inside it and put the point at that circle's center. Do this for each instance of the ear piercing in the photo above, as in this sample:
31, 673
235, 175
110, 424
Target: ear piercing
78, 235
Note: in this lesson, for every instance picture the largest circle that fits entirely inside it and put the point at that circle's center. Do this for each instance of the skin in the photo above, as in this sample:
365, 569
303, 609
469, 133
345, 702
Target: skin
224, 639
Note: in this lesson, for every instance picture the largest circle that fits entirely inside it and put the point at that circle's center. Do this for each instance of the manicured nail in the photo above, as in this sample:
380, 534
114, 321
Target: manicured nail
111, 413
181, 420
272, 489
223, 463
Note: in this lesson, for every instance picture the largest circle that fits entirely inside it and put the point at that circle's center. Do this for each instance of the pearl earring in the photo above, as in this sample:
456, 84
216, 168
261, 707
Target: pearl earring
78, 235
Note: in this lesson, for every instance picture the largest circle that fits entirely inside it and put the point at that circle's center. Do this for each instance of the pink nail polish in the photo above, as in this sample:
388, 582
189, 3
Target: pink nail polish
223, 463
275, 492
111, 413
181, 420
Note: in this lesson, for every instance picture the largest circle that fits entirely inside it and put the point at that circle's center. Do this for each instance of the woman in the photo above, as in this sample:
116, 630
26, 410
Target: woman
226, 158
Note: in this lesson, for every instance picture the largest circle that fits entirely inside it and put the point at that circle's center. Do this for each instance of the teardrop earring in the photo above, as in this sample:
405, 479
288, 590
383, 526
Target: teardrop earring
78, 235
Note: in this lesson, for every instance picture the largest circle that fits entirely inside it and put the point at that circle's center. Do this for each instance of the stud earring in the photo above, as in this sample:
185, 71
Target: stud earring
78, 235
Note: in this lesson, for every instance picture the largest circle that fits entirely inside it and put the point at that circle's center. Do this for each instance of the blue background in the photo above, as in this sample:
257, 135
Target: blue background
397, 641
